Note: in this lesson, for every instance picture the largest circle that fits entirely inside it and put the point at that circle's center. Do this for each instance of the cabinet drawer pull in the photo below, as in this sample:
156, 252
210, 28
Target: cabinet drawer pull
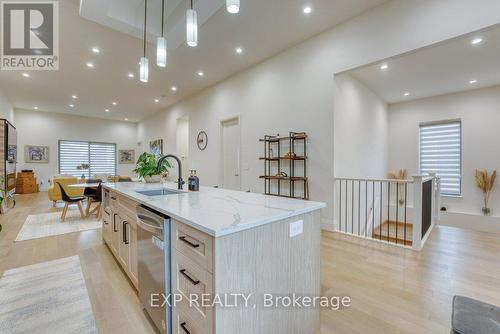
113, 198
183, 272
124, 237
114, 222
183, 326
183, 238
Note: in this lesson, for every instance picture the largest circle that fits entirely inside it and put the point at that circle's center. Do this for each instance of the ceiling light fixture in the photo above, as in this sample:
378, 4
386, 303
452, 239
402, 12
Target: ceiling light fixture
406, 94
95, 50
174, 89
157, 100
26, 75
74, 97
130, 75
200, 74
144, 63
239, 50
384, 67
90, 65
473, 81
161, 42
71, 105
477, 41
307, 10
233, 6
106, 110
35, 107
192, 27
126, 119
114, 103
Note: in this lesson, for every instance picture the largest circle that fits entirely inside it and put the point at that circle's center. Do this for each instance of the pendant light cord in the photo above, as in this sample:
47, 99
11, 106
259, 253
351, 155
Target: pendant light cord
162, 15
145, 20
191, 4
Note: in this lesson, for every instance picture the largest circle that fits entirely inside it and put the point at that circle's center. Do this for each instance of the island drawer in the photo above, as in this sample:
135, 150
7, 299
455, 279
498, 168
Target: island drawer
196, 245
183, 324
113, 201
127, 205
192, 281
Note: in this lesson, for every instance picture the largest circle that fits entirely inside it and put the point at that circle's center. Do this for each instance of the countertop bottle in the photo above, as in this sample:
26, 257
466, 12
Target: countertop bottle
193, 181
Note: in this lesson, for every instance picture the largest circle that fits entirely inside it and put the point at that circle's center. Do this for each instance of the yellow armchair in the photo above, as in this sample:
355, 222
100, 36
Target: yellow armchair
55, 192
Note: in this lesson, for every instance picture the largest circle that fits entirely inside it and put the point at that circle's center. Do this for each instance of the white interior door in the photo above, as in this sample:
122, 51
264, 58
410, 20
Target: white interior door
182, 143
231, 154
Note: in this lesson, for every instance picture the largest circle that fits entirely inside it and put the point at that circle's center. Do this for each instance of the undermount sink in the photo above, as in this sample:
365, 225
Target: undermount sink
158, 192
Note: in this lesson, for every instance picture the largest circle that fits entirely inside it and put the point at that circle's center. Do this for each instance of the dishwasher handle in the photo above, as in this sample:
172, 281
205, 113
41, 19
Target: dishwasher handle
141, 221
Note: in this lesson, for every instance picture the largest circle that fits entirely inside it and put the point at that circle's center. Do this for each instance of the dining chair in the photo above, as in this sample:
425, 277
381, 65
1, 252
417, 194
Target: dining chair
70, 200
94, 197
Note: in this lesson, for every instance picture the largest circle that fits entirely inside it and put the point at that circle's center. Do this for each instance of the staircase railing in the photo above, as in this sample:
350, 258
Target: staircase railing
399, 212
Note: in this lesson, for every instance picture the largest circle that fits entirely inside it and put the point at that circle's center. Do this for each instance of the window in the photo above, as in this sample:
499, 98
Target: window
101, 157
441, 152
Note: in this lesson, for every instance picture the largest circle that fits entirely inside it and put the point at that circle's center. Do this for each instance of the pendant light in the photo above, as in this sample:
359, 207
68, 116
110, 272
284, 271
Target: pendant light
233, 6
144, 64
161, 44
192, 27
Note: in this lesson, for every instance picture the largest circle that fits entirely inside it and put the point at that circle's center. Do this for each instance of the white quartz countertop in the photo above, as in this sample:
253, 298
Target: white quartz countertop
217, 212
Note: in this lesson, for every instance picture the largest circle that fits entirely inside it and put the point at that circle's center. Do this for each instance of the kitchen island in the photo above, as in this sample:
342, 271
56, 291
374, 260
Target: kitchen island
249, 252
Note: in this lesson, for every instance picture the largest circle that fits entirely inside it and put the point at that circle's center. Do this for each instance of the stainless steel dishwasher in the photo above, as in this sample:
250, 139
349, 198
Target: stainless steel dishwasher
153, 250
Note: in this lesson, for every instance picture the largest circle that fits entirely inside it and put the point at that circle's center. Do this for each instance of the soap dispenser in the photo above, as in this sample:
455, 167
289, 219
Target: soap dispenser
193, 181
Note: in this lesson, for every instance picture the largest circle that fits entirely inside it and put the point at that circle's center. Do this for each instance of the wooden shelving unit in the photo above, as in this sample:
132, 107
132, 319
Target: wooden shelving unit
292, 162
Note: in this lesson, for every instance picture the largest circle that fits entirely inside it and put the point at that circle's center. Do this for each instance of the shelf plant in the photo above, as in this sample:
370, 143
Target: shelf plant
147, 167
486, 182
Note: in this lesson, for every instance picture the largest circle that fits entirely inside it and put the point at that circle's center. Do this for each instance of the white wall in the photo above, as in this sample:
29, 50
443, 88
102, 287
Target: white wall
46, 128
361, 130
6, 109
293, 91
479, 111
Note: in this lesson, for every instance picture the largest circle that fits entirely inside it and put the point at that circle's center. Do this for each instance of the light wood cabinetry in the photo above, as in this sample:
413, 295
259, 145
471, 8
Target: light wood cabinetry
120, 232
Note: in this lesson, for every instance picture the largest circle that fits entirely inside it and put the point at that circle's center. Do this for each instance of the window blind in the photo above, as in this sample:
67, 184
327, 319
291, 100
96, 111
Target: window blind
101, 157
441, 152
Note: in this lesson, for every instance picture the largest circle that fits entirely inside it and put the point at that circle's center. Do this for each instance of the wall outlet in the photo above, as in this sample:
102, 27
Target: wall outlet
296, 228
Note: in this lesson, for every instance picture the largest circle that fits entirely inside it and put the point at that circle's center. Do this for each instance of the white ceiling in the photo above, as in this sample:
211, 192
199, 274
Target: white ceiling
444, 68
262, 28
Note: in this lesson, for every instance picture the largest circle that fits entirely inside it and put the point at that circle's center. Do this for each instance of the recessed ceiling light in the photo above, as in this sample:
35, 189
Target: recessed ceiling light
174, 89
473, 81
238, 50
89, 64
26, 75
406, 94
106, 110
384, 67
477, 41
307, 10
96, 50
157, 100
71, 105
74, 97
130, 75
126, 119
35, 107
114, 103
200, 74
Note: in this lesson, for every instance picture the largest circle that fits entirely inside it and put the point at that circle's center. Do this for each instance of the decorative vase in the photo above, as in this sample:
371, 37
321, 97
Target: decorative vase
486, 211
152, 179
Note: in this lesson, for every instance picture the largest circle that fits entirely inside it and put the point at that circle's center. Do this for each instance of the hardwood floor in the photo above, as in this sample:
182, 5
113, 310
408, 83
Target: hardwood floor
393, 290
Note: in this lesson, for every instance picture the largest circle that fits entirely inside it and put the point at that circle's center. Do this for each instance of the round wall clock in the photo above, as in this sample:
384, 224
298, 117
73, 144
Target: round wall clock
202, 140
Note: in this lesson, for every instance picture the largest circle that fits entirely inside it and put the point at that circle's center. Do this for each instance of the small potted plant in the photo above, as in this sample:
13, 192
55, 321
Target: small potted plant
486, 182
147, 168
83, 167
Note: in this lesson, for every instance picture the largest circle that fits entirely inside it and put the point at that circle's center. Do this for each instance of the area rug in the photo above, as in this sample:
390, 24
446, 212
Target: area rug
50, 224
48, 297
